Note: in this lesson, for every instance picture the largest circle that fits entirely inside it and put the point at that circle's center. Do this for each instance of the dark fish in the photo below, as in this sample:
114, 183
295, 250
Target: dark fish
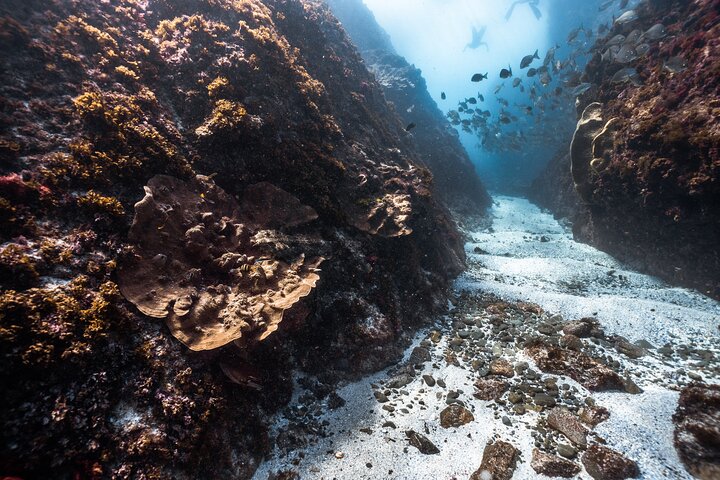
410, 127
531, 72
506, 72
528, 59
443, 96
478, 77
550, 55
516, 82
545, 79
472, 101
574, 33
482, 99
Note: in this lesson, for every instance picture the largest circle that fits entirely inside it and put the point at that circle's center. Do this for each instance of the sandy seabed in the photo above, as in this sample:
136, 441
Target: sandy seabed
529, 256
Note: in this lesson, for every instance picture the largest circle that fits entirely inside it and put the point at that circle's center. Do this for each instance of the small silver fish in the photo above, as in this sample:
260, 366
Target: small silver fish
582, 88
626, 54
609, 54
627, 17
676, 64
616, 40
633, 37
642, 49
656, 32
624, 75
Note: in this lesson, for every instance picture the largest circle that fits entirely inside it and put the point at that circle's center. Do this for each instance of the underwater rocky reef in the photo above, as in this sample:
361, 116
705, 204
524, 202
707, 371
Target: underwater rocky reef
454, 175
640, 181
195, 197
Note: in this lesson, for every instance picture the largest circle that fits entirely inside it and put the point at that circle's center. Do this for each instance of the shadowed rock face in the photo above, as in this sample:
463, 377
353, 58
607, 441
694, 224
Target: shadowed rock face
440, 150
646, 168
270, 104
697, 430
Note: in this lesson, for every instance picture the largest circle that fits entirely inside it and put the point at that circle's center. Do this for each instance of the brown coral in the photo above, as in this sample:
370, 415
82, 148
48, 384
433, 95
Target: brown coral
197, 263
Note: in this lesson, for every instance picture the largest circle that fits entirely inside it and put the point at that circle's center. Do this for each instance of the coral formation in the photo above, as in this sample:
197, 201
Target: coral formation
197, 263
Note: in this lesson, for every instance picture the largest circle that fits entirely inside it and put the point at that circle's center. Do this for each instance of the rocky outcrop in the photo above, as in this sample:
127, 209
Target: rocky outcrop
644, 159
603, 463
552, 465
144, 349
454, 175
697, 430
498, 462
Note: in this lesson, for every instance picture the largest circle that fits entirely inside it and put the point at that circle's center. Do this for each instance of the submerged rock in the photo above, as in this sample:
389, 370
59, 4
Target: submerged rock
455, 416
490, 389
603, 463
422, 443
498, 462
591, 374
697, 430
553, 466
562, 420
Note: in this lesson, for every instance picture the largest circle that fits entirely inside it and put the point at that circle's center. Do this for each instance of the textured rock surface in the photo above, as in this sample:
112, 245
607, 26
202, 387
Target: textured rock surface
269, 100
651, 197
453, 174
499, 460
455, 416
553, 466
421, 442
603, 463
562, 420
578, 366
697, 430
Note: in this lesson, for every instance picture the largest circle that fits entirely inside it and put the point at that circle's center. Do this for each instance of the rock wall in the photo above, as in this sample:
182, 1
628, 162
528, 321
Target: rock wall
645, 160
280, 195
454, 175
